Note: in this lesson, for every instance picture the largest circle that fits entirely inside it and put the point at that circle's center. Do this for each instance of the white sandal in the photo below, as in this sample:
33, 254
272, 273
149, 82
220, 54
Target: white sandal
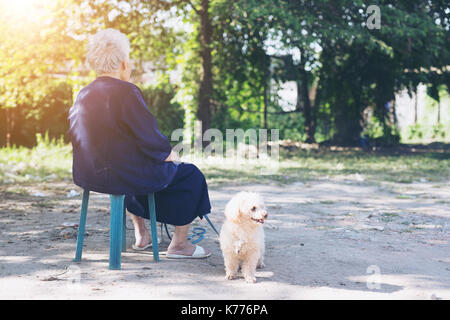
199, 253
136, 248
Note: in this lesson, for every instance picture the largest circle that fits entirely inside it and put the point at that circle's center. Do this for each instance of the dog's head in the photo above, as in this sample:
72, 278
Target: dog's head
246, 207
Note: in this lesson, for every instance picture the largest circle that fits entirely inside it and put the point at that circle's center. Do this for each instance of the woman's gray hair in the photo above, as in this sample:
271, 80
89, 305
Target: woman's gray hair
106, 51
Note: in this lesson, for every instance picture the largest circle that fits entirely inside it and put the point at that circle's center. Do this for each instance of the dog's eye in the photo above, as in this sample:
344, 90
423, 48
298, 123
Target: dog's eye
253, 208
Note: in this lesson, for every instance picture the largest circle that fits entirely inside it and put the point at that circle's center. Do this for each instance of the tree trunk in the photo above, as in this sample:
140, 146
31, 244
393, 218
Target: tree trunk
310, 126
394, 112
206, 83
415, 105
265, 104
8, 127
3, 123
266, 84
347, 119
439, 112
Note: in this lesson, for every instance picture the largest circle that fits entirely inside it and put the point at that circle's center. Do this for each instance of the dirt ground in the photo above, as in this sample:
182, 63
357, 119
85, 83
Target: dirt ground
339, 238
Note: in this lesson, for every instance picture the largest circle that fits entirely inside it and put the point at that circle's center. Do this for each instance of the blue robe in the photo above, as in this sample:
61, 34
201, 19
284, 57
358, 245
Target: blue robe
118, 149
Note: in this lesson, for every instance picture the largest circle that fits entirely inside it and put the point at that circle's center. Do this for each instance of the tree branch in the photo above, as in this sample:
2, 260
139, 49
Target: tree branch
180, 2
296, 110
193, 7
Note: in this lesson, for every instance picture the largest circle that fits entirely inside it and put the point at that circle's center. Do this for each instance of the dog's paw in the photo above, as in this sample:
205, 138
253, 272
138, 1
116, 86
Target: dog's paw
230, 276
250, 279
260, 265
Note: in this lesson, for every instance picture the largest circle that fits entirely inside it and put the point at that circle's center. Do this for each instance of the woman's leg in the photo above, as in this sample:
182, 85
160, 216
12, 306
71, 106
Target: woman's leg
141, 233
188, 186
180, 244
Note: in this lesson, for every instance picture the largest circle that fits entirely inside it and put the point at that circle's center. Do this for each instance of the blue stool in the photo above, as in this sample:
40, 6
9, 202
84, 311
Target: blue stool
117, 240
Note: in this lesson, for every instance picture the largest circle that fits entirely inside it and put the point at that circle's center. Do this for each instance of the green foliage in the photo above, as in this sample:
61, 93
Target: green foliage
415, 131
49, 113
35, 51
420, 132
439, 131
45, 111
354, 67
341, 67
159, 100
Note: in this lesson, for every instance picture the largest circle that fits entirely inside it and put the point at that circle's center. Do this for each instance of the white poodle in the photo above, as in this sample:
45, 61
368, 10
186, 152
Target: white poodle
242, 235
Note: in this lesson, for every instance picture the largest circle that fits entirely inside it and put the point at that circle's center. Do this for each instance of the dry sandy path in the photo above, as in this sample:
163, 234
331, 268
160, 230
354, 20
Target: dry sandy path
330, 239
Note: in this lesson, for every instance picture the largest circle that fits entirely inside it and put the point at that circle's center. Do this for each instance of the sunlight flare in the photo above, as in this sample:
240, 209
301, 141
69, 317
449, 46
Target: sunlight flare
20, 10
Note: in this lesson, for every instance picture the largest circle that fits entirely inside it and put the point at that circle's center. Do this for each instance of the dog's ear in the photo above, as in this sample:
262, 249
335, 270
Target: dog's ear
232, 209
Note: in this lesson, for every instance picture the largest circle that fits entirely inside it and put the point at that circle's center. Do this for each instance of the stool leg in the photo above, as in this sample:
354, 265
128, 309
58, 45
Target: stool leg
115, 241
82, 226
124, 230
151, 205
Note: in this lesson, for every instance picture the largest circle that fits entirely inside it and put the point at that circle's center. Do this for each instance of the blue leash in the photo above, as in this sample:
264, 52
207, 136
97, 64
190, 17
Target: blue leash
211, 224
197, 232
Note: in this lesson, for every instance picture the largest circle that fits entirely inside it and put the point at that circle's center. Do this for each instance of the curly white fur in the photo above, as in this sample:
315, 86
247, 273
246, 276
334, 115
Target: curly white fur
242, 235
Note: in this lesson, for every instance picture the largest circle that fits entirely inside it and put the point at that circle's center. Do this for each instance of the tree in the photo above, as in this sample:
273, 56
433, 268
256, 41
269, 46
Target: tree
34, 48
233, 56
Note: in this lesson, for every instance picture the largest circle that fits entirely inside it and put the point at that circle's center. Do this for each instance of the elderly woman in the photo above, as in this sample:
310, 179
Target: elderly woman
118, 149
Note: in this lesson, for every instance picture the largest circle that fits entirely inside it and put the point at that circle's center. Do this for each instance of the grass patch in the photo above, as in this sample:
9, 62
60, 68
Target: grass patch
49, 160
354, 165
52, 160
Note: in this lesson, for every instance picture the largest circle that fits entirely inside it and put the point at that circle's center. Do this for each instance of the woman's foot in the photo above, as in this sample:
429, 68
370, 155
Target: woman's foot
180, 246
185, 248
186, 252
142, 235
142, 239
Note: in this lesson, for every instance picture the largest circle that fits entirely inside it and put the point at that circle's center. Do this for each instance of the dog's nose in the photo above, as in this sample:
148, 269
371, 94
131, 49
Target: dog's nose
265, 215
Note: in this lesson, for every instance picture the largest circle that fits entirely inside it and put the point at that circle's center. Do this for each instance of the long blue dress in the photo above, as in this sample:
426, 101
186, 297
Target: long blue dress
118, 149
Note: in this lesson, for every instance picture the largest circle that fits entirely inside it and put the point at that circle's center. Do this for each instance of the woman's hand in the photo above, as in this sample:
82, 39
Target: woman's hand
172, 157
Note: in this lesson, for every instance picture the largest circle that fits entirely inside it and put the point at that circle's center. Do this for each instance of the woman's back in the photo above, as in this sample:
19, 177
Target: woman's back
116, 142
